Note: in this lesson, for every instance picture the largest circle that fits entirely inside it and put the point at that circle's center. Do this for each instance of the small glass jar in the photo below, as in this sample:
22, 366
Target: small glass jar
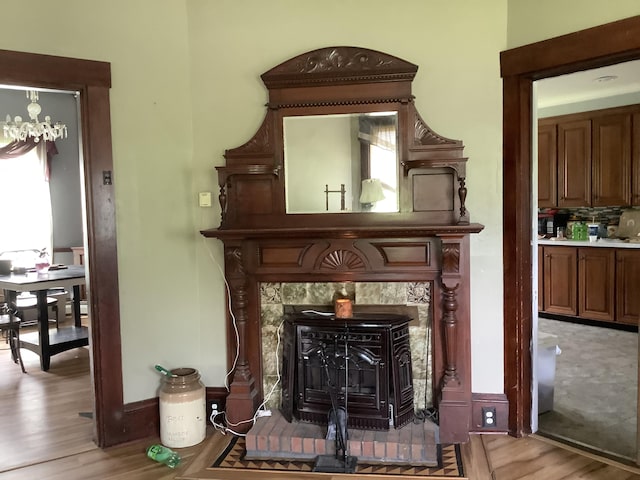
43, 262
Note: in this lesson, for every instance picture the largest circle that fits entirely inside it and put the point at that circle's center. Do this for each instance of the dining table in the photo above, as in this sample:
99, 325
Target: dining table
47, 342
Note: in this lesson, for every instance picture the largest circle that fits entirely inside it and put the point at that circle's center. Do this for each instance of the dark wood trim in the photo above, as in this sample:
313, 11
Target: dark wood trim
595, 47
57, 72
142, 419
498, 401
92, 79
591, 48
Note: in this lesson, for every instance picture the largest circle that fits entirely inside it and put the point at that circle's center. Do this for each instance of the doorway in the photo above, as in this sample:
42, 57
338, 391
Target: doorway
92, 80
595, 47
586, 393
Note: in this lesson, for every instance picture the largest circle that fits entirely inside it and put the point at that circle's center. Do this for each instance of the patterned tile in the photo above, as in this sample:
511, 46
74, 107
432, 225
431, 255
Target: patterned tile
419, 293
270, 293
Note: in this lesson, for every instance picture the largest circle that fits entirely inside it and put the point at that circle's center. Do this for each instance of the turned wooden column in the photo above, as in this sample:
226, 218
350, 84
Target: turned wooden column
242, 400
455, 389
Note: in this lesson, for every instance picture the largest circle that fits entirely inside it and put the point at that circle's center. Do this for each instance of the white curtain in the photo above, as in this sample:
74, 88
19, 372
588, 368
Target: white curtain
25, 202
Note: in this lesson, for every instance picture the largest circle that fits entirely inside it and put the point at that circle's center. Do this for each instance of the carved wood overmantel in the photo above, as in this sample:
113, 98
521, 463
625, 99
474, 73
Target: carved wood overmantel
426, 240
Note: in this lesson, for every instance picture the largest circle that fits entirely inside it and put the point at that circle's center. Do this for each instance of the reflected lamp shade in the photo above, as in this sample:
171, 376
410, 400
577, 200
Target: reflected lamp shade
371, 191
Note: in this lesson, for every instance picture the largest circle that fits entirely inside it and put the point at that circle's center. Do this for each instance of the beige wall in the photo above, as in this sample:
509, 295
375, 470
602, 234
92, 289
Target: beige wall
146, 42
186, 86
531, 21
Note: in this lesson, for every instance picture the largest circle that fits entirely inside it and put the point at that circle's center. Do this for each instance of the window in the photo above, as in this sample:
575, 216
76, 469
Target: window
26, 202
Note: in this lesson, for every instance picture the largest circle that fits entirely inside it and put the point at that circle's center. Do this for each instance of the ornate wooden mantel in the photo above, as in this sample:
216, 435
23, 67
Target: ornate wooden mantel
427, 240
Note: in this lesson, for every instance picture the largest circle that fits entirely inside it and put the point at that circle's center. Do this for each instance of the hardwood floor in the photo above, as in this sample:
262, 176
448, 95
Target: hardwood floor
40, 411
43, 436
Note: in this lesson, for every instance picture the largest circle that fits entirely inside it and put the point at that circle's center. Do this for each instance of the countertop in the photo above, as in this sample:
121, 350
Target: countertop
601, 242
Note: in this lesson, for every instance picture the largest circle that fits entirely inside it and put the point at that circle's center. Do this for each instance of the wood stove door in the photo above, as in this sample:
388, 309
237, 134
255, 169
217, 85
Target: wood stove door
402, 376
348, 365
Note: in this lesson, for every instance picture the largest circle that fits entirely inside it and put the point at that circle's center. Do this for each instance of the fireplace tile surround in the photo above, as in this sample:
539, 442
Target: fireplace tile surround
273, 297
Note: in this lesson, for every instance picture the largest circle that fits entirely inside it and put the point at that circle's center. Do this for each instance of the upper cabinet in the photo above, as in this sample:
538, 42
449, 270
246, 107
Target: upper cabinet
547, 165
590, 159
611, 160
574, 163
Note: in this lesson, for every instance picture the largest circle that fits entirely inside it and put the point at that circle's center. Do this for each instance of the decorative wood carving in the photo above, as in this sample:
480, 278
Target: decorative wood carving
451, 258
333, 65
426, 241
425, 136
342, 260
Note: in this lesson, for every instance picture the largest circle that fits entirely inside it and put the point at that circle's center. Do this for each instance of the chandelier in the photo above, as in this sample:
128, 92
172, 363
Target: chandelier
19, 130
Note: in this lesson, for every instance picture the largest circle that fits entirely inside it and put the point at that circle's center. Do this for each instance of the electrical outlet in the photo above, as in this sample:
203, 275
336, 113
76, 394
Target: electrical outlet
213, 407
489, 417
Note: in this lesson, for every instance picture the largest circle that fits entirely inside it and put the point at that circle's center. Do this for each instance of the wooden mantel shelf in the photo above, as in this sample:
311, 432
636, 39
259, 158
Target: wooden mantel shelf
386, 231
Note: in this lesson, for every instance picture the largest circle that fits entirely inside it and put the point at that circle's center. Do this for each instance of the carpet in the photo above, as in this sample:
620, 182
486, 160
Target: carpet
449, 463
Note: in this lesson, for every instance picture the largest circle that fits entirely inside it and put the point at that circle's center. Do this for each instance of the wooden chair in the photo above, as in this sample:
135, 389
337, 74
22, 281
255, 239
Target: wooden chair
10, 326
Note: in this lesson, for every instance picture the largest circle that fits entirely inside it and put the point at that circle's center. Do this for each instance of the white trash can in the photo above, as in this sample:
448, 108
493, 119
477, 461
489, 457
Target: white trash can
548, 349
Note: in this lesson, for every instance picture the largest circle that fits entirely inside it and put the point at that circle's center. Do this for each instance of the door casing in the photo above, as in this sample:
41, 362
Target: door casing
592, 48
92, 80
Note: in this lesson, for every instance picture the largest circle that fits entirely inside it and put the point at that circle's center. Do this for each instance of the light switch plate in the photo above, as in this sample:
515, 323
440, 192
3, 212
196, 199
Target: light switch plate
204, 199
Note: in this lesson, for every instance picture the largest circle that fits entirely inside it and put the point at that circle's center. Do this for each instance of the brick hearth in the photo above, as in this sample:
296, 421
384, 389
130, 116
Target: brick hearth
275, 438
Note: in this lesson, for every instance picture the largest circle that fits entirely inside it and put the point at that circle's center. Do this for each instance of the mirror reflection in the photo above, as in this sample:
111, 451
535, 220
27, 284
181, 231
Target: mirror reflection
341, 163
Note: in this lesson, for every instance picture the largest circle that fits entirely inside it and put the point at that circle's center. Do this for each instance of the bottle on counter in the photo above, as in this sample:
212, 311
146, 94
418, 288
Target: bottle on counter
580, 231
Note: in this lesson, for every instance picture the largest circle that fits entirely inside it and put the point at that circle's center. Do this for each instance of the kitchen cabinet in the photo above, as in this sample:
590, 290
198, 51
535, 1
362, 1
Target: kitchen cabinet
628, 281
547, 165
594, 283
611, 160
574, 163
590, 159
560, 280
540, 278
635, 160
596, 277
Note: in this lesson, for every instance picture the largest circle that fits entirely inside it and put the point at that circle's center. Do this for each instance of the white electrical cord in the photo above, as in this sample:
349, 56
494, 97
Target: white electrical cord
233, 317
324, 314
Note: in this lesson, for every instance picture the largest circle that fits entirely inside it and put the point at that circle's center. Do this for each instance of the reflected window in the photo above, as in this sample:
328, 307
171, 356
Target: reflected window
341, 163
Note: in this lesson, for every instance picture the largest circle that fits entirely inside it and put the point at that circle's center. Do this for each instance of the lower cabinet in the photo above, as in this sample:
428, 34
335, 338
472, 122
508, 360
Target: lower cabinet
560, 280
594, 283
628, 281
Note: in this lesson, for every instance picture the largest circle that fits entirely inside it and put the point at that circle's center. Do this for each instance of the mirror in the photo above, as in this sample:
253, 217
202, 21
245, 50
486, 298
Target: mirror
341, 163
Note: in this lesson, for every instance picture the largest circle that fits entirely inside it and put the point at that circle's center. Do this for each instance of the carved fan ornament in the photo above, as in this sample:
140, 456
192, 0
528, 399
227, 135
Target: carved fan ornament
342, 260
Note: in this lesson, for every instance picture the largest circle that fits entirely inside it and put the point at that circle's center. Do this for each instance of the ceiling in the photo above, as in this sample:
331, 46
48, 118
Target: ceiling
589, 84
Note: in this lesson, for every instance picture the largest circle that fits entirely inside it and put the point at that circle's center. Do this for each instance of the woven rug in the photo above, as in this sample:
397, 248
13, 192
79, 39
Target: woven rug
449, 463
